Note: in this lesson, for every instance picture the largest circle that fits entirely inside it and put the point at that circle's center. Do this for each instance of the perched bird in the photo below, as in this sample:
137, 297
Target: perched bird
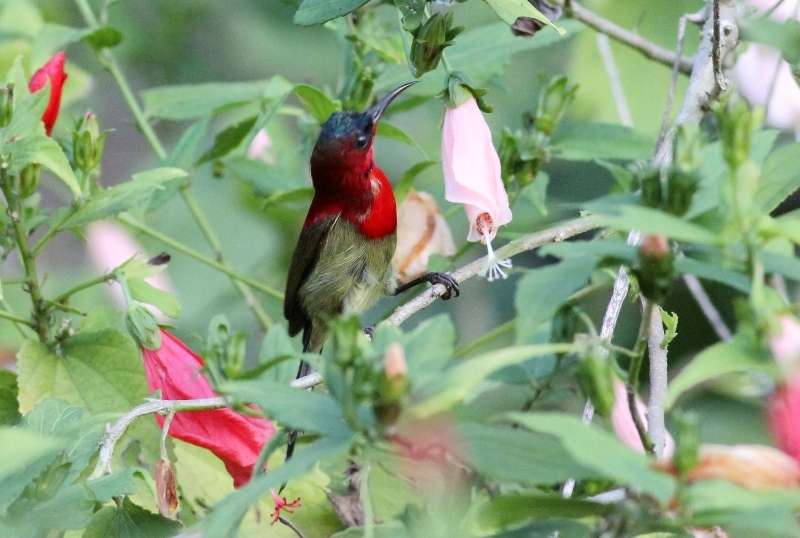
342, 261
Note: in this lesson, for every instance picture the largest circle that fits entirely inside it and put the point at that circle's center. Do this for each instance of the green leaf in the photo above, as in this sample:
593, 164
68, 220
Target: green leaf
529, 458
406, 182
508, 511
183, 154
599, 248
226, 515
542, 291
129, 521
319, 11
743, 513
780, 177
316, 102
128, 195
670, 320
301, 409
652, 221
536, 192
510, 10
190, 101
227, 140
52, 38
599, 450
713, 272
9, 407
21, 448
164, 301
784, 36
784, 265
456, 383
590, 141
104, 37
720, 359
388, 130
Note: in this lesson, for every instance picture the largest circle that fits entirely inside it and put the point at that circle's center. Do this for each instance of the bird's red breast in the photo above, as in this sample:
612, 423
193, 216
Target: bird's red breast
372, 209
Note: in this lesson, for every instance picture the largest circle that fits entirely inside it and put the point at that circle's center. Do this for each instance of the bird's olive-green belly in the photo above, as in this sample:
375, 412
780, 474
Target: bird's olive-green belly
351, 274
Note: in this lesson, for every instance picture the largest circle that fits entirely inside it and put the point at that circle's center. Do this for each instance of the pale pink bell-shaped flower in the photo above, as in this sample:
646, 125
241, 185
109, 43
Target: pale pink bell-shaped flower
784, 343
783, 414
765, 80
472, 178
260, 148
109, 245
625, 428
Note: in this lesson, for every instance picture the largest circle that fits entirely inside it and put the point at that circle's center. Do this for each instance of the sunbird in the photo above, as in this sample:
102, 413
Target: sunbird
342, 260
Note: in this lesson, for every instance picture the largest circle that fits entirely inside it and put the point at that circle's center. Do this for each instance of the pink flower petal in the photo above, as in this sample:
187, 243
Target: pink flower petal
623, 425
783, 413
52, 71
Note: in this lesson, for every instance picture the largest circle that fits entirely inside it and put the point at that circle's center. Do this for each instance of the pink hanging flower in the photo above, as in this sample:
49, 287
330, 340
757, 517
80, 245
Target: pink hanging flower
260, 148
760, 65
109, 245
472, 177
785, 343
236, 439
625, 428
783, 414
52, 71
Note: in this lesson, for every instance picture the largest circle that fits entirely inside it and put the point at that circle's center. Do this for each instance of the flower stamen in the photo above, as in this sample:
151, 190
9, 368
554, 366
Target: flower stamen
494, 265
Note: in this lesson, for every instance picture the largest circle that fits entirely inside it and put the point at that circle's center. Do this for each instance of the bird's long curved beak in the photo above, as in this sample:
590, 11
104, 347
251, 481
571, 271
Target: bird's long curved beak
376, 111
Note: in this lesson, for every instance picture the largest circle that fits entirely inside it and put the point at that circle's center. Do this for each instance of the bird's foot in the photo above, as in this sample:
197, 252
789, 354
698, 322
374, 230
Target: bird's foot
369, 330
450, 284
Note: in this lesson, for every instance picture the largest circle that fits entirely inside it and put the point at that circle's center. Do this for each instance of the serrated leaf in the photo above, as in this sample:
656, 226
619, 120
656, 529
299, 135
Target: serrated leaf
136, 193
129, 521
600, 451
319, 11
301, 409
716, 361
227, 140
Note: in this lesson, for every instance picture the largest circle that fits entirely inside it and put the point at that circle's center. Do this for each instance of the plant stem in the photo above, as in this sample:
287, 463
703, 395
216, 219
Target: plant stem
102, 279
634, 372
366, 504
52, 230
16, 319
180, 247
40, 312
107, 58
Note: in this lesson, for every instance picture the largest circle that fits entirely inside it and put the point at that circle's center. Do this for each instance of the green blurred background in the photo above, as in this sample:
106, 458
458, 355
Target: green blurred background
190, 41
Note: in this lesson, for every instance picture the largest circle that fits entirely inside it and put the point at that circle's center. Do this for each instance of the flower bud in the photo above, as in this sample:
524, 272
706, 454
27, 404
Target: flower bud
651, 189
784, 343
737, 124
166, 491
553, 103
655, 271
596, 381
29, 179
233, 360
430, 39
680, 191
6, 104
143, 326
393, 385
87, 143
687, 443
564, 324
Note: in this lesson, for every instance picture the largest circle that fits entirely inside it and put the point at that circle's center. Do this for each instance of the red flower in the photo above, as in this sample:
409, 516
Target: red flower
784, 416
282, 504
53, 71
175, 370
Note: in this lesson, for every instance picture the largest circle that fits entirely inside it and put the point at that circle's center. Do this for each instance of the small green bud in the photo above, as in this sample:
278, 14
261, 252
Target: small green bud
233, 361
656, 271
6, 104
393, 385
412, 11
651, 189
737, 124
687, 443
553, 103
143, 326
430, 40
597, 382
564, 324
29, 180
459, 90
681, 187
88, 143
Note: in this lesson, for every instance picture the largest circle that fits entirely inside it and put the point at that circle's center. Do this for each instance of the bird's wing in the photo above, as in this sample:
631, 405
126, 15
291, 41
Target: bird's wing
305, 257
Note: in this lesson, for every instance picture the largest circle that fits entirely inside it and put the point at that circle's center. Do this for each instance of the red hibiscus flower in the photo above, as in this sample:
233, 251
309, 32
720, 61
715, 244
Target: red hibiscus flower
236, 439
53, 71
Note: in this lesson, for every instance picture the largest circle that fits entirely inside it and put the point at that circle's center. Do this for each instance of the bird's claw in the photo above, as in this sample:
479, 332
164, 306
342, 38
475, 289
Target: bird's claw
450, 284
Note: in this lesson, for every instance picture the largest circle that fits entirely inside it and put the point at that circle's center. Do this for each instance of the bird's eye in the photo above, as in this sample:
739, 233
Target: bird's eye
361, 141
